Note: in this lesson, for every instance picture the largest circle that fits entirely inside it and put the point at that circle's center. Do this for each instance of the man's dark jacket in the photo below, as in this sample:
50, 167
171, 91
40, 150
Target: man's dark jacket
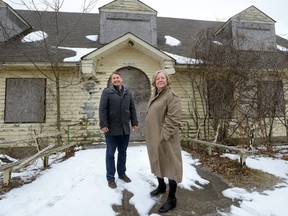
116, 110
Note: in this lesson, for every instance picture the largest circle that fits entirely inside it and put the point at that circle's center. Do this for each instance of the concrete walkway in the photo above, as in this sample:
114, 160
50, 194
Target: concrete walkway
208, 201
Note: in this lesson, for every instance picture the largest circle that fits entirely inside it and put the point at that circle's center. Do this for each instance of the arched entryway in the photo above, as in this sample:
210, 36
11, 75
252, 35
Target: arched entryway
139, 84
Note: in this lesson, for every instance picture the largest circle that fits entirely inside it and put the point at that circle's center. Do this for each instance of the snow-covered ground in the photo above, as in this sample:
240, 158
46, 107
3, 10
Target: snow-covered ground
78, 186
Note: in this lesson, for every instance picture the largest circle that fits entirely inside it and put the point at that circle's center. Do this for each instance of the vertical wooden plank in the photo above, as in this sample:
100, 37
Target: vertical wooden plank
46, 161
7, 177
243, 159
209, 150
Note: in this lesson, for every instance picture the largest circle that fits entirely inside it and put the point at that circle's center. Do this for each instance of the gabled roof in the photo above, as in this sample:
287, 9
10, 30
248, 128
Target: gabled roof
250, 14
81, 25
253, 14
184, 30
11, 22
132, 41
127, 6
5, 5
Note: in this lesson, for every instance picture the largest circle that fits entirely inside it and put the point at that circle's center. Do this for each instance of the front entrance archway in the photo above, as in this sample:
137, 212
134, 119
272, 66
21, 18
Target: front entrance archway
138, 83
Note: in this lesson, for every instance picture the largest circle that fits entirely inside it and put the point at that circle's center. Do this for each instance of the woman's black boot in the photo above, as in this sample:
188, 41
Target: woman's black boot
169, 205
171, 200
161, 188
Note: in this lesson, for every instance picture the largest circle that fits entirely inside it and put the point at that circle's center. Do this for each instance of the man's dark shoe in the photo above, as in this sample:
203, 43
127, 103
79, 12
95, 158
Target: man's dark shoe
125, 179
112, 184
169, 205
159, 190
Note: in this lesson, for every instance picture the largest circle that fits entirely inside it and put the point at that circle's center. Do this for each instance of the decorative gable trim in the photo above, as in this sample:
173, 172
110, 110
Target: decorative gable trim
253, 14
250, 14
127, 40
128, 6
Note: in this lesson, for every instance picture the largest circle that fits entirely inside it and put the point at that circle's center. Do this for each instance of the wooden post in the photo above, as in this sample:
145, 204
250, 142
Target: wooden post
242, 152
243, 159
28, 160
209, 150
7, 177
46, 161
8, 168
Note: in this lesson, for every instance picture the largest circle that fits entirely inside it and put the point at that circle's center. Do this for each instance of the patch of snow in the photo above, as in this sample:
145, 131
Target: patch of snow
34, 37
79, 53
184, 60
281, 48
172, 41
78, 186
218, 43
4, 158
276, 167
92, 37
269, 202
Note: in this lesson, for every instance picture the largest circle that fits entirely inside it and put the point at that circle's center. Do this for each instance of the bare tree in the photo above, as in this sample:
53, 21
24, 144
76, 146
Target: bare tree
232, 99
50, 48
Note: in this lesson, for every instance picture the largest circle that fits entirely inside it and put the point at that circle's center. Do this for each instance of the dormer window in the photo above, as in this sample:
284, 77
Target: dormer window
127, 16
11, 23
249, 30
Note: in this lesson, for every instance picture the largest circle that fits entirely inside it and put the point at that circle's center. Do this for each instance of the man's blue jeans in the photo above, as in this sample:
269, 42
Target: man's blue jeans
112, 143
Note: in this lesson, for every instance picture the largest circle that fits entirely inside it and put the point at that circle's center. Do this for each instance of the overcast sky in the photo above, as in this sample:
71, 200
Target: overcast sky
212, 10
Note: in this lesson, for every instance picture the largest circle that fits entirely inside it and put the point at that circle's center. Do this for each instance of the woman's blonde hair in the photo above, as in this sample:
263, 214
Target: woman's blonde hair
166, 75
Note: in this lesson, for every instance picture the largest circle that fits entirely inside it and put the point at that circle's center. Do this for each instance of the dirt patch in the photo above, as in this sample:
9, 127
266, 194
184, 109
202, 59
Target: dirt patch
231, 172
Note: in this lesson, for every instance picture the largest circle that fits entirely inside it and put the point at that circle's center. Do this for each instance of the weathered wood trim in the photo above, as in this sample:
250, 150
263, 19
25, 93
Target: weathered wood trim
32, 158
15, 166
18, 165
242, 152
31, 137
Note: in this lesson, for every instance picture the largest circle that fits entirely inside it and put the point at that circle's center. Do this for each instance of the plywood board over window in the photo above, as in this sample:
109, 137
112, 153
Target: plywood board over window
25, 100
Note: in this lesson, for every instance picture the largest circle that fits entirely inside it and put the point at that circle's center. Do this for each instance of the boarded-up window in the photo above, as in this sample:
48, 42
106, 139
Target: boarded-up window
25, 100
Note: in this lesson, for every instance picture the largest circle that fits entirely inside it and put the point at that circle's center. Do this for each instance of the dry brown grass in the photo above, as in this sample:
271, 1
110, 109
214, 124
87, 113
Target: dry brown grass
231, 172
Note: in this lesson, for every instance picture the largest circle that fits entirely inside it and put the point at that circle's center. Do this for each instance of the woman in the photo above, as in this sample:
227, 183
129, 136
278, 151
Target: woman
162, 123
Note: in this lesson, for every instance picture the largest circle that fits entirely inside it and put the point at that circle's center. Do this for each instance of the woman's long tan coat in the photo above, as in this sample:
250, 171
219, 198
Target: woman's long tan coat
162, 124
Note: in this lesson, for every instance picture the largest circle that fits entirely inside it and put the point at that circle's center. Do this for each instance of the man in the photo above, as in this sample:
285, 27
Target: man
116, 110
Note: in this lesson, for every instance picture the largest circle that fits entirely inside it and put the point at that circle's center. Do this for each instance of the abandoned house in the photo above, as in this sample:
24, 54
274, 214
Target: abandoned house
231, 76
